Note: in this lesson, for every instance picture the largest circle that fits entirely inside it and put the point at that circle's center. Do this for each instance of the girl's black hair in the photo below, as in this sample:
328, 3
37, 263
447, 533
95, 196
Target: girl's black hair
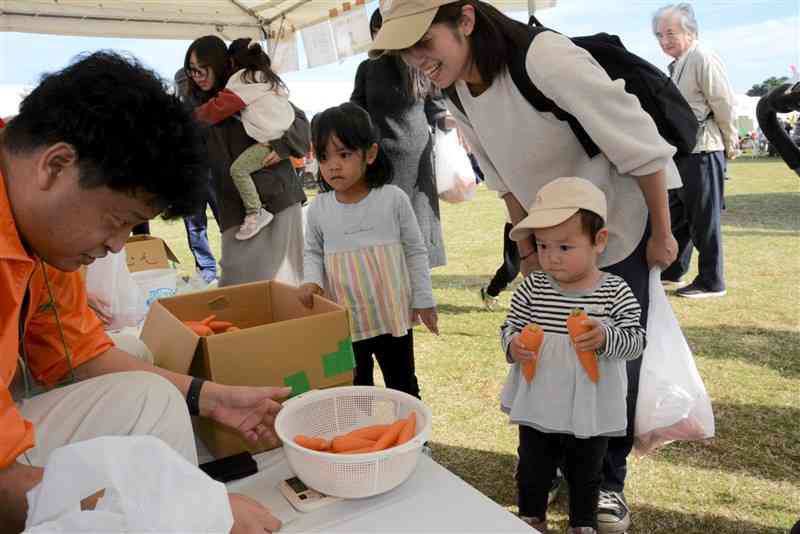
250, 56
211, 52
352, 126
494, 38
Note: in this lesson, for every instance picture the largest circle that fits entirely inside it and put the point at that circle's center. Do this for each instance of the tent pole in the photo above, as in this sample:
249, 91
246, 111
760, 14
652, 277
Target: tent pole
286, 11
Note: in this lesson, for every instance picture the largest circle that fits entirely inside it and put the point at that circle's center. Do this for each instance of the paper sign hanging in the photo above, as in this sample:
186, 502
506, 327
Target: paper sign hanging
284, 55
319, 45
351, 32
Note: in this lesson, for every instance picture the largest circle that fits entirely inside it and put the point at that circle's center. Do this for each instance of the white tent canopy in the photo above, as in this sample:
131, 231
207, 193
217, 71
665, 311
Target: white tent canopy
181, 19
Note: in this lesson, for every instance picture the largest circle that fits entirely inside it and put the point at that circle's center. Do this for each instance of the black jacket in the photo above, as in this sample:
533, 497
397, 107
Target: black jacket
278, 185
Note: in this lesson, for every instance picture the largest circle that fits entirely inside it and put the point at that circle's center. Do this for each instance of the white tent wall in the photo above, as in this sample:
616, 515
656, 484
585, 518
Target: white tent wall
181, 19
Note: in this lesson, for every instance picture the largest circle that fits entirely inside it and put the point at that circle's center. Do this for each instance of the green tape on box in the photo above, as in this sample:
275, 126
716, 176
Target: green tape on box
298, 382
341, 361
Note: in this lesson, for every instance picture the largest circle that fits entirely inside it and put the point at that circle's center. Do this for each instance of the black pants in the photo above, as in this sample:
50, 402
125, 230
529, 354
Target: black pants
510, 267
539, 453
695, 210
395, 356
636, 273
141, 229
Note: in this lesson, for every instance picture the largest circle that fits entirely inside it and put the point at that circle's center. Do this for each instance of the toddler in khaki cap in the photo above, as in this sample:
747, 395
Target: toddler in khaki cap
559, 200
560, 407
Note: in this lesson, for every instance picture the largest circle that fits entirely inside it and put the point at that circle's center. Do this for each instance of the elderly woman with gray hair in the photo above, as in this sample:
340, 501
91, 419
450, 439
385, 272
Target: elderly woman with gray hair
696, 207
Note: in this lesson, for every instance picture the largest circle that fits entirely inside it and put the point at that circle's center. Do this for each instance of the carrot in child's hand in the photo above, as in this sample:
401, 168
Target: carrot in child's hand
531, 338
587, 358
315, 444
350, 443
389, 437
408, 429
372, 432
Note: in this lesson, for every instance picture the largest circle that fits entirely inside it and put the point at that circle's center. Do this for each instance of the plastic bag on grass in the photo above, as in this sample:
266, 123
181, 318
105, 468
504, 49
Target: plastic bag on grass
455, 178
148, 488
673, 404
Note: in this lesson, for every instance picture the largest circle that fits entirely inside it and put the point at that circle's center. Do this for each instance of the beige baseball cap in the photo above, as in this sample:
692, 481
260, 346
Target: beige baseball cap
559, 200
404, 23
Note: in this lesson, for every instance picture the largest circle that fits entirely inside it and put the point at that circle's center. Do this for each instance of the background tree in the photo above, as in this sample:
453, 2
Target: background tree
760, 89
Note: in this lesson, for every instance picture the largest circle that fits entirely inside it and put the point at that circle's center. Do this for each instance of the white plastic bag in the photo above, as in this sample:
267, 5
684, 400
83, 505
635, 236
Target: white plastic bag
455, 179
672, 404
108, 280
148, 488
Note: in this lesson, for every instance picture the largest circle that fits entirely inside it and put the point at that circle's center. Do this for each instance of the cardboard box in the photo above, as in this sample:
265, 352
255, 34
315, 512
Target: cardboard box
280, 343
148, 252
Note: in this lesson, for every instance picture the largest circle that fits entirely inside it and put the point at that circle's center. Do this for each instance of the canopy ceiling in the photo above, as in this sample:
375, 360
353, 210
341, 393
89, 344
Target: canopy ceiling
179, 19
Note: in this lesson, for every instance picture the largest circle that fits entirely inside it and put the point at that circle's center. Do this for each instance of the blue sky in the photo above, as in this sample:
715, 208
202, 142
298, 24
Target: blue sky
756, 39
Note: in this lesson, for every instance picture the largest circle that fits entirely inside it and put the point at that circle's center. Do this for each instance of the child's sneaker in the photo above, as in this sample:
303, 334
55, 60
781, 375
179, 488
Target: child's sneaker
613, 514
489, 302
253, 223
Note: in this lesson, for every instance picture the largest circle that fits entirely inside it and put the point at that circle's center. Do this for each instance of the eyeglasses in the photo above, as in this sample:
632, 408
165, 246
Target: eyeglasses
201, 72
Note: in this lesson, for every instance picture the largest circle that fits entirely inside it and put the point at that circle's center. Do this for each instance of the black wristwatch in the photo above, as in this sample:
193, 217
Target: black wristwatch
193, 396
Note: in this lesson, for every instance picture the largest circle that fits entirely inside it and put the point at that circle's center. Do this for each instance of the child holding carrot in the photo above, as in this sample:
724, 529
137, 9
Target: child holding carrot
364, 246
575, 399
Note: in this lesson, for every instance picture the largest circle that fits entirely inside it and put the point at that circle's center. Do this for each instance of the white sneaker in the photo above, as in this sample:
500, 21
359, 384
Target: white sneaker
613, 514
253, 223
489, 302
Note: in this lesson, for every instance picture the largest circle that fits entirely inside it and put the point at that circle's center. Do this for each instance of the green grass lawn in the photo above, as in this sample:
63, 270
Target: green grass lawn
747, 479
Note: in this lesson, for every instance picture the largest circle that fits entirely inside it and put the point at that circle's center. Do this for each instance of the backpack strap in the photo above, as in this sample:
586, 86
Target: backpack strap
519, 74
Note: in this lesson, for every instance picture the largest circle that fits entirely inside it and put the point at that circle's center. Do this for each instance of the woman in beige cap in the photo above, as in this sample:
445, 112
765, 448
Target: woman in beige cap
469, 45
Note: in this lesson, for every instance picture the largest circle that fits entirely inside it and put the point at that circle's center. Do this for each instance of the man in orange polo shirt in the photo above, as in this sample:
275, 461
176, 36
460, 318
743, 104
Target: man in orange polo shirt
95, 149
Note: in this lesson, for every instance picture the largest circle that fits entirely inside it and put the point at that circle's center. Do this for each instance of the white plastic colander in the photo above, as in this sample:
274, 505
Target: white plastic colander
332, 412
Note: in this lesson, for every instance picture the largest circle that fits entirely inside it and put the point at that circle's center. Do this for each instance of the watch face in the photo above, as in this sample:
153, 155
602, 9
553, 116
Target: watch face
297, 485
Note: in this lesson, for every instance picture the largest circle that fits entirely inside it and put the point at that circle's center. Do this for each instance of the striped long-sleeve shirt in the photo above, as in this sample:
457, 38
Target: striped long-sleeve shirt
537, 300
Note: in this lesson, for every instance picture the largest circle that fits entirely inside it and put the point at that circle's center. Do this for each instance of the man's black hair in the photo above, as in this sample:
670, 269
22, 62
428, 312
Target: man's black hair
129, 133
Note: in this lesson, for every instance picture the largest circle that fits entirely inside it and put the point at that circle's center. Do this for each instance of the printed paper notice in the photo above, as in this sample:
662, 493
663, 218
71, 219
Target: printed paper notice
318, 43
351, 32
284, 55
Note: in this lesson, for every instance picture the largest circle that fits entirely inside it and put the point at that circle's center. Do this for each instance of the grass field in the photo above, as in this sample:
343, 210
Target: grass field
747, 479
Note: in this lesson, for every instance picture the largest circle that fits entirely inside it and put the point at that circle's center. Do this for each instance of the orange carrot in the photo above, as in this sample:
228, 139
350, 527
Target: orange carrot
220, 326
531, 338
587, 358
207, 320
198, 328
373, 432
315, 444
349, 443
409, 428
389, 437
232, 329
